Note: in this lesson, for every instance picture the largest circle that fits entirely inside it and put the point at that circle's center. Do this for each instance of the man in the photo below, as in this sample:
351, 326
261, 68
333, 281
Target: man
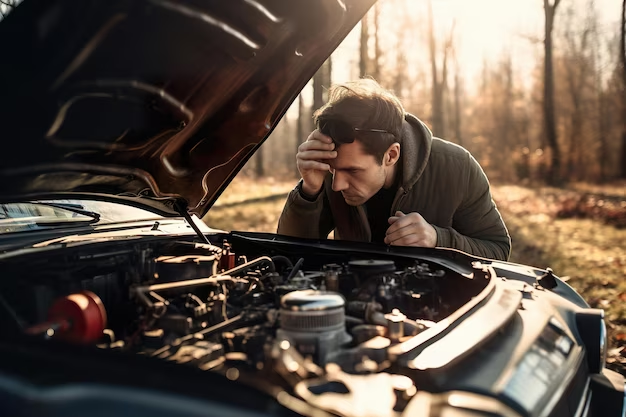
374, 173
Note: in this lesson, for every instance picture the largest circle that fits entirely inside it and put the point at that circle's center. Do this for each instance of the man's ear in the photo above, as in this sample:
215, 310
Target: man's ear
392, 154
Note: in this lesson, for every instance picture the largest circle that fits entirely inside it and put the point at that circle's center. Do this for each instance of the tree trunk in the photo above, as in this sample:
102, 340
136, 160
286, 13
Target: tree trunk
507, 118
623, 60
299, 129
363, 50
329, 75
601, 130
400, 75
259, 169
439, 80
437, 94
286, 136
554, 172
377, 52
318, 88
321, 84
525, 173
457, 107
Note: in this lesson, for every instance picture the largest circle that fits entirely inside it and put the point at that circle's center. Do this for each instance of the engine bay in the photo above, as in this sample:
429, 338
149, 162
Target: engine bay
310, 325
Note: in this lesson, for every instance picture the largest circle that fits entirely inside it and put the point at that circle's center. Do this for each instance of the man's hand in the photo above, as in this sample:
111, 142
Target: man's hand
410, 230
310, 160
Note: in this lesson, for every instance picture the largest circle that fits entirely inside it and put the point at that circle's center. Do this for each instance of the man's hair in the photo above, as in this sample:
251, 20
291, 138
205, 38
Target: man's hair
365, 104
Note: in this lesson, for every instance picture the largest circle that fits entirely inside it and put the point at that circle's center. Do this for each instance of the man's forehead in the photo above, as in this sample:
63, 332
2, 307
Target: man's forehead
351, 156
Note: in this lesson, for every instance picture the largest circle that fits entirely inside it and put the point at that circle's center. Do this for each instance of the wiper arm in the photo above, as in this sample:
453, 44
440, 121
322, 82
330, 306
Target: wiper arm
74, 208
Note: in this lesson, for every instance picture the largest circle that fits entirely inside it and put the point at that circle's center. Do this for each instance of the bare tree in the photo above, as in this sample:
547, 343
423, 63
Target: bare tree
287, 134
321, 84
318, 89
377, 52
622, 55
402, 33
329, 74
505, 135
369, 65
439, 79
300, 129
554, 173
602, 124
363, 48
457, 101
259, 168
578, 67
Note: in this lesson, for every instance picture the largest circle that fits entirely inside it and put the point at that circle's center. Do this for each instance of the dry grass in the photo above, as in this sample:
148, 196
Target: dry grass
588, 253
244, 188
616, 189
259, 217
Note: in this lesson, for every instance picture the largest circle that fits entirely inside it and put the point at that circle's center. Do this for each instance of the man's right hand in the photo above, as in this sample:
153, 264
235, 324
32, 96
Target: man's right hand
311, 160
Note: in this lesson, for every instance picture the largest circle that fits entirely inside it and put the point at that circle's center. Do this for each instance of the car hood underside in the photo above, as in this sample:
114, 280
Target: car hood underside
159, 99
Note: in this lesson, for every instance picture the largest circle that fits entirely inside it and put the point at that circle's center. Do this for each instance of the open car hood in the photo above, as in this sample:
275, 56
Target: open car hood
157, 103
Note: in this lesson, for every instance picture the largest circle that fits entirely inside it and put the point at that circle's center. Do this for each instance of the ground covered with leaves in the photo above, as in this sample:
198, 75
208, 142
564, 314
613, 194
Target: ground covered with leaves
580, 232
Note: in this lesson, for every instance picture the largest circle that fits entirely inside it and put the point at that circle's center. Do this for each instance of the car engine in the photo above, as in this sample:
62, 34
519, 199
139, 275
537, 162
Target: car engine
297, 323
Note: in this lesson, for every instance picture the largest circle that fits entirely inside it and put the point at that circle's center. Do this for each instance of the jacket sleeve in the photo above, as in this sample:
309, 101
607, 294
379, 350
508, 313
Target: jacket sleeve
304, 218
477, 226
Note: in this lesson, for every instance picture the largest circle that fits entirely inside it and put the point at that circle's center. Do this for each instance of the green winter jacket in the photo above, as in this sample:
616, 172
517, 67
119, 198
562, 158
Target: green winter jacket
440, 180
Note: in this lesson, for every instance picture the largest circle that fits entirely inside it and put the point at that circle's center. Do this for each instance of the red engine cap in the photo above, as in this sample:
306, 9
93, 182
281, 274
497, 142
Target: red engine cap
85, 315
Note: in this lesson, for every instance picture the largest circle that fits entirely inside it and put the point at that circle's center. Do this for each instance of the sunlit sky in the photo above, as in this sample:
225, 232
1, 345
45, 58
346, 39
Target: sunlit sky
484, 29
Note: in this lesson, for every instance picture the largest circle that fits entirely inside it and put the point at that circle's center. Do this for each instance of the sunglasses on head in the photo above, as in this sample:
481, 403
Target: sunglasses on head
341, 131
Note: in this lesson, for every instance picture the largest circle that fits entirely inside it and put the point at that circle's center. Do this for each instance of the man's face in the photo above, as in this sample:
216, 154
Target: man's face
356, 174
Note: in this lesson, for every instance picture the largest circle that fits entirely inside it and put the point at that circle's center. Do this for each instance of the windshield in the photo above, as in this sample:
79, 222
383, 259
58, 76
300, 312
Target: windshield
19, 217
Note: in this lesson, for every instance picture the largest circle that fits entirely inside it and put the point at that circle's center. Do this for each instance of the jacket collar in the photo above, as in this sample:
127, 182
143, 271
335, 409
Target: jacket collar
415, 146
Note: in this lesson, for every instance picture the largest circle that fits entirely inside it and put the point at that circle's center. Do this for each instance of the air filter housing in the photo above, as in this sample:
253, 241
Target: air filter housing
314, 321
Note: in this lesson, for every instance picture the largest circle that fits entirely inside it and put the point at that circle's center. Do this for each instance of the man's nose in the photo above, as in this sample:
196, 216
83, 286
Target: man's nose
339, 182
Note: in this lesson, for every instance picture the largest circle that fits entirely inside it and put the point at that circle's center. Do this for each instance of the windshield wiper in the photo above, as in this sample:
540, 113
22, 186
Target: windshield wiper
74, 208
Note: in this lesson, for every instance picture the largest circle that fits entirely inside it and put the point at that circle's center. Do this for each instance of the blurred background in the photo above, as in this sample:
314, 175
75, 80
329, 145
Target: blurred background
534, 89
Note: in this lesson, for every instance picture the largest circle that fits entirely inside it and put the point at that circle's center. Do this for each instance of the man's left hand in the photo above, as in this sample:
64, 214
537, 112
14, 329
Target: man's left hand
410, 230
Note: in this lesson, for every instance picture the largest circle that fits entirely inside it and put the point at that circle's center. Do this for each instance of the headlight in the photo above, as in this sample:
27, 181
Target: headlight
592, 331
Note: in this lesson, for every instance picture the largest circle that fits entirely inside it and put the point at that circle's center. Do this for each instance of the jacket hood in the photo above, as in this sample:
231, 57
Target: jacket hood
158, 103
415, 146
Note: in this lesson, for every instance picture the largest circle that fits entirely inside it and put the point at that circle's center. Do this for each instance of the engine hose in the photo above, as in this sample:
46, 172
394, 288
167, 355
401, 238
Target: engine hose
244, 267
354, 321
295, 269
283, 259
